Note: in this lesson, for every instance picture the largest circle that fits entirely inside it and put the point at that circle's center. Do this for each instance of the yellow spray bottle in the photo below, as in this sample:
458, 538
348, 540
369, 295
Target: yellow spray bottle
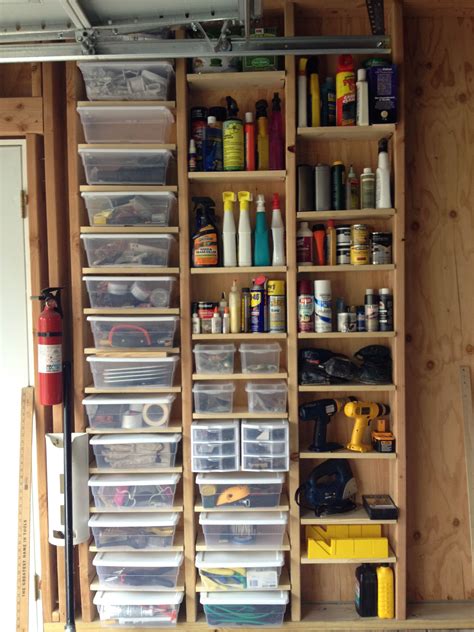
385, 592
245, 230
228, 230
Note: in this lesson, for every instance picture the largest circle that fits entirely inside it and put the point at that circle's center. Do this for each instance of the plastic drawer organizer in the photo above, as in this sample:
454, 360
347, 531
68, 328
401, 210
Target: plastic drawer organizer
125, 166
134, 531
252, 490
260, 450
214, 358
143, 569
126, 331
135, 451
260, 358
267, 397
129, 492
215, 432
126, 123
131, 411
242, 529
123, 291
130, 208
212, 453
128, 372
128, 250
244, 609
133, 81
224, 570
213, 398
142, 609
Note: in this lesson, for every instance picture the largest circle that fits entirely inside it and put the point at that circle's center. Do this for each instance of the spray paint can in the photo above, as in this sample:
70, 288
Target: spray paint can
305, 306
385, 309
338, 186
276, 306
322, 307
343, 322
371, 310
198, 129
353, 318
257, 306
245, 311
322, 187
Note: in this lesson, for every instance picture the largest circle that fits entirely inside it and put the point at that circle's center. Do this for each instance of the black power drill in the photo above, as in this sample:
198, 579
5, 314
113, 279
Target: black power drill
320, 411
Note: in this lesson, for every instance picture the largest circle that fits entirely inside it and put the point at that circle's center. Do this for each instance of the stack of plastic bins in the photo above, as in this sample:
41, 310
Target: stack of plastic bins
215, 446
265, 445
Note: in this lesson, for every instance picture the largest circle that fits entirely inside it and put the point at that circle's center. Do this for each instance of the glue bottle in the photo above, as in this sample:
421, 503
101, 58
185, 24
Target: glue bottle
245, 231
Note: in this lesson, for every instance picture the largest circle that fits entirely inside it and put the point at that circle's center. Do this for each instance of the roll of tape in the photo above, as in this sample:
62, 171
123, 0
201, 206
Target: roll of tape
139, 292
156, 414
132, 420
116, 287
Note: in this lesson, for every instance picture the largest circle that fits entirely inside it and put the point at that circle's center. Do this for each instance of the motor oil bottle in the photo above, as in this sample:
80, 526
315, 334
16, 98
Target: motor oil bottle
385, 592
205, 240
233, 138
345, 91
366, 591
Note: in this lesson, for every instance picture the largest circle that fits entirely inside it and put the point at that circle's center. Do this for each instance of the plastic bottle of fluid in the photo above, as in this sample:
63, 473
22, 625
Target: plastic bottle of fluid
383, 199
385, 592
233, 138
249, 135
345, 91
205, 239
366, 591
261, 252
245, 231
331, 245
362, 91
304, 245
228, 230
234, 308
263, 144
277, 155
278, 233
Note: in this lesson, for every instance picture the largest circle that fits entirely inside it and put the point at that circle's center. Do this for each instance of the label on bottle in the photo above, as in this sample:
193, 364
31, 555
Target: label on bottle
304, 249
322, 314
372, 317
50, 358
205, 250
346, 98
233, 138
257, 311
305, 312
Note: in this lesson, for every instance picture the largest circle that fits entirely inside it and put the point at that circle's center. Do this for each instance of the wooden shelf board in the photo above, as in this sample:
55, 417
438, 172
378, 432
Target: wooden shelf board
128, 146
237, 176
125, 188
100, 230
93, 469
366, 213
347, 336
98, 104
178, 545
257, 337
350, 454
284, 584
387, 267
132, 311
240, 376
283, 506
145, 430
242, 270
134, 389
240, 414
202, 546
342, 388
129, 351
358, 516
391, 559
130, 270
353, 132
237, 80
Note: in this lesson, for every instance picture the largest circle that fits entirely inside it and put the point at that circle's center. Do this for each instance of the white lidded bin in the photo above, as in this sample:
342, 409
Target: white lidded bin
213, 397
243, 528
267, 397
229, 463
117, 373
244, 609
138, 569
135, 451
130, 208
256, 570
129, 412
138, 609
215, 431
126, 123
136, 531
127, 80
214, 358
133, 331
128, 249
265, 430
125, 166
127, 291
239, 489
260, 358
132, 492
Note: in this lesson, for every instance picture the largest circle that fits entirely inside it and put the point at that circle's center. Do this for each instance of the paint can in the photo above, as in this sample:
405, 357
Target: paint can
276, 306
359, 235
343, 322
360, 255
343, 245
381, 248
322, 306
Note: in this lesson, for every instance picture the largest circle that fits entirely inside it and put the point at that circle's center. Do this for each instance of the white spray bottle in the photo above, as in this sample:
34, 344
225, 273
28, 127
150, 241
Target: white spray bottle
228, 230
383, 198
245, 231
278, 233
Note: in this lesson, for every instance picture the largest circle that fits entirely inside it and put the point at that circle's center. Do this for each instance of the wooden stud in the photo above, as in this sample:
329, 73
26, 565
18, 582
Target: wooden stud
21, 116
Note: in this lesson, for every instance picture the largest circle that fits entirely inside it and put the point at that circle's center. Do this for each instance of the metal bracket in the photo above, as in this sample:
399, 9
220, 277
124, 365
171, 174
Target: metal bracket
87, 39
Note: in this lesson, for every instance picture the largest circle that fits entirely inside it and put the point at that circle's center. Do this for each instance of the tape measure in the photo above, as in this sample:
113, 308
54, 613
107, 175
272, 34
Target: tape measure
24, 503
376, 17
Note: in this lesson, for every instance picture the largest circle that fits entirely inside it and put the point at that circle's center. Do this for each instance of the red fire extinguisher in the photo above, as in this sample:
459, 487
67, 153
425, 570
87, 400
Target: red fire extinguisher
50, 356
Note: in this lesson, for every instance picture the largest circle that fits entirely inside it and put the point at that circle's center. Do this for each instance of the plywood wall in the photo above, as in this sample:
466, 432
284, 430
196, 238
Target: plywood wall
440, 300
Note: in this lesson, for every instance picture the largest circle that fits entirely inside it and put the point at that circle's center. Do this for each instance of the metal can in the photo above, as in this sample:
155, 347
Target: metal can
343, 236
360, 255
343, 256
344, 322
359, 235
360, 312
338, 186
381, 248
322, 187
353, 318
276, 306
257, 309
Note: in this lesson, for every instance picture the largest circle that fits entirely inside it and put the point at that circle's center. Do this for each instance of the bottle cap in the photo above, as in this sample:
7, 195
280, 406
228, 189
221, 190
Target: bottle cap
275, 201
383, 145
345, 63
318, 227
305, 287
331, 223
367, 170
218, 111
369, 291
337, 162
192, 146
385, 290
330, 81
361, 74
211, 120
198, 113
248, 117
216, 311
276, 102
226, 310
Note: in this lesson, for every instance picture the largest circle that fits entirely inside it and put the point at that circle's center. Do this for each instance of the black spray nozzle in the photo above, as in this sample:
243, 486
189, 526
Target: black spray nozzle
383, 145
261, 106
232, 108
204, 201
51, 296
276, 102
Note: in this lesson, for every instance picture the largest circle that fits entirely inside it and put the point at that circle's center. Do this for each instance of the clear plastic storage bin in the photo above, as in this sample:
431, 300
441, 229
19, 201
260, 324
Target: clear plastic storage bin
265, 463
215, 431
127, 80
130, 208
124, 291
133, 332
132, 492
260, 358
141, 569
126, 123
128, 250
214, 358
231, 609
252, 490
136, 532
118, 373
125, 166
129, 412
273, 431
214, 398
216, 463
138, 609
257, 570
244, 528
267, 397
135, 451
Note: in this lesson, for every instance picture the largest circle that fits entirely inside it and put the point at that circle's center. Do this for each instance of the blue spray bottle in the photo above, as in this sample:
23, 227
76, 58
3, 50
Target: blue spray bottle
261, 238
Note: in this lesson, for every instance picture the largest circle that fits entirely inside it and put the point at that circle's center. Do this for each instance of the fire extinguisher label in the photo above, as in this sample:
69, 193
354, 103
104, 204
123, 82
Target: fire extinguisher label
50, 359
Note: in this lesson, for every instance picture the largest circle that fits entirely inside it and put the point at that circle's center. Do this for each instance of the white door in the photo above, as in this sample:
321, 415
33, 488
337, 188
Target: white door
16, 365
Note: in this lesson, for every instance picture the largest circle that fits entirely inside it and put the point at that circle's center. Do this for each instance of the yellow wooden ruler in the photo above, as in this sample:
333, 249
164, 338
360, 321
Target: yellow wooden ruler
24, 502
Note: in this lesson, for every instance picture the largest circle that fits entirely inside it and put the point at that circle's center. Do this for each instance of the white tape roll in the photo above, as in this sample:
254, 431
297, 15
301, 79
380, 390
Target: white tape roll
156, 414
132, 420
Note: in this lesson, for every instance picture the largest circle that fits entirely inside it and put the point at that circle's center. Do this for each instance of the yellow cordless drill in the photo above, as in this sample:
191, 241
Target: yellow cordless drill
363, 413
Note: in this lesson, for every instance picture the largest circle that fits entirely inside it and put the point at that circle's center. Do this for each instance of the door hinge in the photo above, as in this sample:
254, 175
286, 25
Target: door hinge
24, 204
37, 587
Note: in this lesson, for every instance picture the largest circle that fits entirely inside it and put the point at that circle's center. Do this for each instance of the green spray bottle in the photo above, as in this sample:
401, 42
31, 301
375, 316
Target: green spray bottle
233, 138
261, 252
